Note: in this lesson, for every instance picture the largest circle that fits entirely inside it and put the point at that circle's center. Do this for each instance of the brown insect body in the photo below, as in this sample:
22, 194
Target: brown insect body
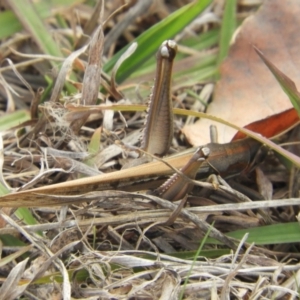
158, 132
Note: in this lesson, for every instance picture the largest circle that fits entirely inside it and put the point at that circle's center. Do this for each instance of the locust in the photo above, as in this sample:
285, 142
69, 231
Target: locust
158, 132
157, 137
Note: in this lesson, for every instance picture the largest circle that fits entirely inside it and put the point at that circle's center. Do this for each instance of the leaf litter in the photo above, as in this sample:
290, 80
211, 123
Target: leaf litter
120, 244
246, 84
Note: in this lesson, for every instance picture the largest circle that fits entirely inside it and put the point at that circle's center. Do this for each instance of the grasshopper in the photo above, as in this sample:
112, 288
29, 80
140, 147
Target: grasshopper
211, 158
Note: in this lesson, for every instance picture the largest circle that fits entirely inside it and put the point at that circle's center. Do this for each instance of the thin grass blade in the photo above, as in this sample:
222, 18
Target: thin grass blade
268, 235
227, 29
10, 24
287, 85
149, 41
32, 22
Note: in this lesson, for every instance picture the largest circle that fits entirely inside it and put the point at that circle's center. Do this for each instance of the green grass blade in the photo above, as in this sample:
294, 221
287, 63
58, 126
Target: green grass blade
268, 235
207, 253
10, 240
287, 85
32, 22
271, 234
94, 146
10, 24
3, 190
24, 214
227, 29
202, 243
203, 41
13, 119
149, 41
95, 141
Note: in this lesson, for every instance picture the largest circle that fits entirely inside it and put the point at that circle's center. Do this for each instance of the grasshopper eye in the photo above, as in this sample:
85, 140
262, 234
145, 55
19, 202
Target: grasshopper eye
164, 51
168, 49
205, 151
171, 44
201, 153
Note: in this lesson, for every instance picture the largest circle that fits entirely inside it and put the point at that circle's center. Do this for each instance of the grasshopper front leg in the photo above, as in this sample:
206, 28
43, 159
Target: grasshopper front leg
177, 186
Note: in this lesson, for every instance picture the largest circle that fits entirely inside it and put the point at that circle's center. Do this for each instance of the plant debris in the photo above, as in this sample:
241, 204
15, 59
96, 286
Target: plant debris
117, 241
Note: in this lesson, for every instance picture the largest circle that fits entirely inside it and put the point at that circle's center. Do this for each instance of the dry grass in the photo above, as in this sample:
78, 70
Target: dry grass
114, 244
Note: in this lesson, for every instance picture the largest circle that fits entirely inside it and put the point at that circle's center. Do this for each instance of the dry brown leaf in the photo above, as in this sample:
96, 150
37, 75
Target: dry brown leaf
247, 91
